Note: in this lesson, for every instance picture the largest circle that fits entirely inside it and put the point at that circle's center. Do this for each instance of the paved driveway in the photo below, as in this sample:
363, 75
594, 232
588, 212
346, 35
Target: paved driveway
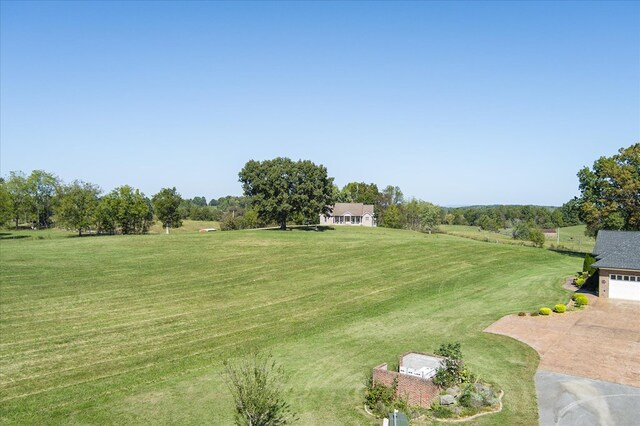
601, 342
589, 372
569, 400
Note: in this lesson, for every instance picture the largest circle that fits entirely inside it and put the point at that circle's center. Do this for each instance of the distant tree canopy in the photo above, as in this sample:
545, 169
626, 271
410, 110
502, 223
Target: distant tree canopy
125, 210
359, 192
610, 192
167, 207
77, 206
31, 199
281, 188
506, 216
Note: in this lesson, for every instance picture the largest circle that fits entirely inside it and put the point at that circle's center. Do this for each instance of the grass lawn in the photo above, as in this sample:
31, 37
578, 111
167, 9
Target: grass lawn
188, 226
133, 329
571, 237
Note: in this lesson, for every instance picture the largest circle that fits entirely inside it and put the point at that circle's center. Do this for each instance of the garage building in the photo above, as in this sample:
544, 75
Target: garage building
618, 263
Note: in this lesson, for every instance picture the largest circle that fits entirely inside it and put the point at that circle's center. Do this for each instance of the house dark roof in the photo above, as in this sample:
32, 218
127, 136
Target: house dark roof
617, 249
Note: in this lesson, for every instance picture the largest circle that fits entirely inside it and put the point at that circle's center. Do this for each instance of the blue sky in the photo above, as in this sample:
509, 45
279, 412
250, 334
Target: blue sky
455, 103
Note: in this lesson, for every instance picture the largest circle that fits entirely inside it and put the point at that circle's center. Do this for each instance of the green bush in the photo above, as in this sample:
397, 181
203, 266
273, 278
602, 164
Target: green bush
521, 314
534, 314
580, 300
560, 308
586, 265
545, 311
579, 281
440, 411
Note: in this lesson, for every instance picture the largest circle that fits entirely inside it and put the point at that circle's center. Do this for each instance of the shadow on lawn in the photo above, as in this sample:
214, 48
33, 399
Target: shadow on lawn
569, 253
10, 236
314, 228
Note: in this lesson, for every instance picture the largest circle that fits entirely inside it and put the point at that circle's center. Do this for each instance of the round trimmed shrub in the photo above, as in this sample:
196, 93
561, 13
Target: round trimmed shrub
545, 311
521, 314
560, 308
581, 300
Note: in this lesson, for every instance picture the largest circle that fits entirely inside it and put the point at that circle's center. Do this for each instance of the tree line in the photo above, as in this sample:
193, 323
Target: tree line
280, 190
42, 200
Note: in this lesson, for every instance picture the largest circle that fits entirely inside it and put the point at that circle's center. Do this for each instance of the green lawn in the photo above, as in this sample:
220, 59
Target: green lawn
133, 329
571, 237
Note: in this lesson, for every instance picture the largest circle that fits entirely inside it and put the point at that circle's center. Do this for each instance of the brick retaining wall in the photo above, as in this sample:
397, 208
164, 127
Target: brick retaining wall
416, 390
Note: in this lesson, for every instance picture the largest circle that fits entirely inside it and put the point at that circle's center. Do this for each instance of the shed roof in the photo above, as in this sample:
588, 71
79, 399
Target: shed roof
617, 249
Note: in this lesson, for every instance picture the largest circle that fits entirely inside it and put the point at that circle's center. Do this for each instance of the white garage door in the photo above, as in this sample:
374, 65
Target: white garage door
624, 287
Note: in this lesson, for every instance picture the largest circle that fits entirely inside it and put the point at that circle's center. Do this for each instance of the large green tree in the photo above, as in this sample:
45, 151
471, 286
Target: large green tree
6, 213
77, 205
20, 204
610, 192
281, 188
360, 192
430, 216
125, 209
43, 187
167, 207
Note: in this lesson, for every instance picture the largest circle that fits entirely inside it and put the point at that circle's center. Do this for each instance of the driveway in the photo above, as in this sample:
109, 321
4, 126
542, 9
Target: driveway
569, 400
589, 371
601, 342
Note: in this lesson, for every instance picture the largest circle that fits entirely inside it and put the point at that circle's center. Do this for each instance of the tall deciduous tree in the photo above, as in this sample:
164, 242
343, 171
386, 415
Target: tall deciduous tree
430, 215
610, 192
167, 206
360, 192
6, 208
43, 187
126, 209
20, 204
77, 205
281, 188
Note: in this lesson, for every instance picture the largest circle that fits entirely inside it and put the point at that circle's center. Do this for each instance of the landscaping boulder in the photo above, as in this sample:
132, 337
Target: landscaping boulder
454, 390
447, 400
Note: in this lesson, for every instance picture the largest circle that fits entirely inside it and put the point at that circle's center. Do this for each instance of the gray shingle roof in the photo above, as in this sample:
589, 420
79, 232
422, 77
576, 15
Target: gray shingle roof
617, 249
355, 209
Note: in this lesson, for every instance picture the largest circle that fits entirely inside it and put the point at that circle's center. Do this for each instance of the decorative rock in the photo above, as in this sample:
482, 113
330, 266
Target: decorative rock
447, 400
454, 390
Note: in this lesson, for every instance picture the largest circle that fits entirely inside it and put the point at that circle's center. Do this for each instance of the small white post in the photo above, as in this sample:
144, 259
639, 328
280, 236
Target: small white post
167, 229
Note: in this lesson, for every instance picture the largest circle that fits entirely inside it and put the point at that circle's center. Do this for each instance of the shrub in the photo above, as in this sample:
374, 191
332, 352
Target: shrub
586, 265
379, 394
521, 314
534, 314
580, 299
453, 371
545, 311
256, 385
560, 308
441, 411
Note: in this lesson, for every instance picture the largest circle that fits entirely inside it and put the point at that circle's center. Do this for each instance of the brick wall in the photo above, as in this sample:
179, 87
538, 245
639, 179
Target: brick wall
416, 390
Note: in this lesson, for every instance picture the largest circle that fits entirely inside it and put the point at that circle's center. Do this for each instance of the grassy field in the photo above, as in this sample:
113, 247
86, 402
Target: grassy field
134, 329
188, 226
571, 237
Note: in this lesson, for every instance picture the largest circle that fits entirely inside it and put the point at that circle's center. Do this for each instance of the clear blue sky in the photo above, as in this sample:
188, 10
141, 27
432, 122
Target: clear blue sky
455, 103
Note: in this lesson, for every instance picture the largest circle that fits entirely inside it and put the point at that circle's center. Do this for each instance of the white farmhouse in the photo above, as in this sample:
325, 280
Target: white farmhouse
357, 214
